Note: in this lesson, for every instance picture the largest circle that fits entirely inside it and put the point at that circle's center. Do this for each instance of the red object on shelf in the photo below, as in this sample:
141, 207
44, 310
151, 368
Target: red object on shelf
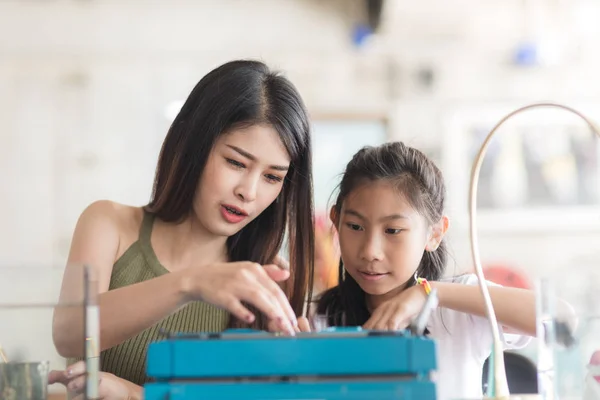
326, 254
595, 361
507, 276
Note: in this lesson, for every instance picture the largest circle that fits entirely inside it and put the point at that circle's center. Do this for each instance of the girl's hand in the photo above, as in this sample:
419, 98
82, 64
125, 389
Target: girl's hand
398, 312
228, 285
110, 387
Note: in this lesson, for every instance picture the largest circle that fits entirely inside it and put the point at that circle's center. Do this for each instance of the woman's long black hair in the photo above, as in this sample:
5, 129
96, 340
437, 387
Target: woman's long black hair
234, 95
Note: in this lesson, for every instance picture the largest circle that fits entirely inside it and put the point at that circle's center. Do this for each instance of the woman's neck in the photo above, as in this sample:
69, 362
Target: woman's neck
187, 244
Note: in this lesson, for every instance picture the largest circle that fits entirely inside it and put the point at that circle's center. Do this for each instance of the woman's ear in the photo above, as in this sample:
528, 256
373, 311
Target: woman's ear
438, 231
334, 216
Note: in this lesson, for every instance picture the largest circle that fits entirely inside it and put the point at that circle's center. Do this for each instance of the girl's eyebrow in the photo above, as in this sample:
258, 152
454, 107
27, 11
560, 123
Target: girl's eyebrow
386, 218
354, 213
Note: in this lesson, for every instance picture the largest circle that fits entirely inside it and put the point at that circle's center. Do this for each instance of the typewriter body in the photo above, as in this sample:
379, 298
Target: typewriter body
338, 363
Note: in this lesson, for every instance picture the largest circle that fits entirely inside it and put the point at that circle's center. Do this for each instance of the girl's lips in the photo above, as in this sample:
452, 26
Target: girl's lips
372, 276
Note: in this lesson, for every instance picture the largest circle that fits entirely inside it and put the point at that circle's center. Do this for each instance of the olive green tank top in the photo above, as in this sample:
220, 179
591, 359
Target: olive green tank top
137, 264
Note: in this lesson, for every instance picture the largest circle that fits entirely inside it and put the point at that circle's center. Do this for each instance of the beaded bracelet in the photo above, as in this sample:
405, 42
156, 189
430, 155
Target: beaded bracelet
423, 282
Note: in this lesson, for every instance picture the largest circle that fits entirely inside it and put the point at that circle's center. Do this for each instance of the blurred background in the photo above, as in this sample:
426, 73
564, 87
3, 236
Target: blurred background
88, 89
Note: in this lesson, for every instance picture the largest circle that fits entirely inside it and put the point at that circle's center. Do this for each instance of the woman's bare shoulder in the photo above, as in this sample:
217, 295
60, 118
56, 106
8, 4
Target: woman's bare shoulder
123, 220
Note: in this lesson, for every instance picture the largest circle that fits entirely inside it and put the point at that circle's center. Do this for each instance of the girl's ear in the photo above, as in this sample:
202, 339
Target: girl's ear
438, 230
334, 216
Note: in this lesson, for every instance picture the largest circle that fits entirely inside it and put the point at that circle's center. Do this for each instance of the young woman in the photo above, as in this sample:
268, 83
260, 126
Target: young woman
233, 176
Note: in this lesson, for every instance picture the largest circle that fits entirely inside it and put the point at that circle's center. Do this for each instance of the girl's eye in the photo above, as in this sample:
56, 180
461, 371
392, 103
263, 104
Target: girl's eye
235, 163
354, 227
273, 178
393, 231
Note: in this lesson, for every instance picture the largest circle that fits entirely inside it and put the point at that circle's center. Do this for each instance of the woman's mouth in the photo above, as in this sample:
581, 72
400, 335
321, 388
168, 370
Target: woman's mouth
232, 214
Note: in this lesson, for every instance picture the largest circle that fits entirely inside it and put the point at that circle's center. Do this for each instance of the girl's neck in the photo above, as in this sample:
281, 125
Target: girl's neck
187, 244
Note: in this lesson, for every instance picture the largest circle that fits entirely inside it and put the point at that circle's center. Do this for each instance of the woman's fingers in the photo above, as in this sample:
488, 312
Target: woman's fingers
72, 371
254, 285
234, 306
276, 290
303, 324
281, 262
268, 304
56, 376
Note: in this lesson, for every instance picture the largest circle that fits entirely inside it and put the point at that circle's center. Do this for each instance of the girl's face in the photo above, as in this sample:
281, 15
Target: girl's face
244, 174
382, 238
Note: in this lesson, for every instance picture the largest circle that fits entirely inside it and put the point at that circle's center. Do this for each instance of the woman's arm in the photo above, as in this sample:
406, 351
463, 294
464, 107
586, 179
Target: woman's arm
127, 311
135, 392
124, 312
515, 308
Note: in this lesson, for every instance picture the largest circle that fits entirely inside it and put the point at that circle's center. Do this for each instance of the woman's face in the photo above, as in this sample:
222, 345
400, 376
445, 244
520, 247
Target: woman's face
244, 174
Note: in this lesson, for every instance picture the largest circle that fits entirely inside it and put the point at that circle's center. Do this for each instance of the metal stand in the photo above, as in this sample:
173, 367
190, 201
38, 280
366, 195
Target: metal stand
92, 334
498, 384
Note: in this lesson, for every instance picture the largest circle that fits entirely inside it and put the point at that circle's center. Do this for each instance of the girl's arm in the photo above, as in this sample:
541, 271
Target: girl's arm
515, 308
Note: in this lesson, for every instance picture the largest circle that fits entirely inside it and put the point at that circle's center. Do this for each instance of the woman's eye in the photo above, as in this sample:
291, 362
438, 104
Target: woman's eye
235, 163
273, 178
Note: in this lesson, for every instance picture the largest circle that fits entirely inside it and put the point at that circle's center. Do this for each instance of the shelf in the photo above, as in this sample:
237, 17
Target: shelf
550, 221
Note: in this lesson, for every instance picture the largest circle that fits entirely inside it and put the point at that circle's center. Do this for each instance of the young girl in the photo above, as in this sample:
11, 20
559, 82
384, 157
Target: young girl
389, 215
234, 173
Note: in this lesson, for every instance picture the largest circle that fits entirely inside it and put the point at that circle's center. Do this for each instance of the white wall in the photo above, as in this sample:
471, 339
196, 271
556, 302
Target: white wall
84, 93
84, 88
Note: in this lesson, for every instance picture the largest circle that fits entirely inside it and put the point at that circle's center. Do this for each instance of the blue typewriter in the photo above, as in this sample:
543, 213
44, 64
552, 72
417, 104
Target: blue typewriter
339, 363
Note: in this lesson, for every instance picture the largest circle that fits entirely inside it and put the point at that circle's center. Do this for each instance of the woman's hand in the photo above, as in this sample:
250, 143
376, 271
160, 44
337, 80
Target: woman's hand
303, 326
398, 312
110, 387
281, 262
228, 285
